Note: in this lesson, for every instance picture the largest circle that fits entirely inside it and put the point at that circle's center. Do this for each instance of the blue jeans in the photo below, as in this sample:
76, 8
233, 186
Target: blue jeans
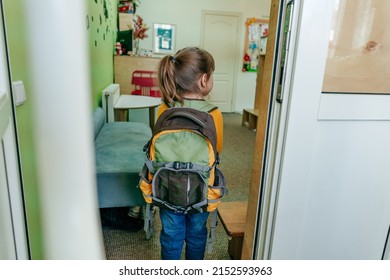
179, 228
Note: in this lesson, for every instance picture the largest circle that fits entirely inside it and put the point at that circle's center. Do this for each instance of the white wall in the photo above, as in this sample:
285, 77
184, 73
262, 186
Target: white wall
187, 16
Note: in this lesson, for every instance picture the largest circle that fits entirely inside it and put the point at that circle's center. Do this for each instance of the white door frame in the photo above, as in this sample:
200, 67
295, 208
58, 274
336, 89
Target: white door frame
329, 197
280, 102
13, 230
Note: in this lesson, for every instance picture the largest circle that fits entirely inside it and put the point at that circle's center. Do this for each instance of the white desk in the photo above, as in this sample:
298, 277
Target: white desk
126, 102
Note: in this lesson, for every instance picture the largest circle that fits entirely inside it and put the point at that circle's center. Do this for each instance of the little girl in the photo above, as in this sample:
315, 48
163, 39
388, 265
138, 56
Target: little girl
185, 79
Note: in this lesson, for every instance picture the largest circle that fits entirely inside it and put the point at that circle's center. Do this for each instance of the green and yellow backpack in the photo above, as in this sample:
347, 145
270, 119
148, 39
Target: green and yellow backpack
180, 171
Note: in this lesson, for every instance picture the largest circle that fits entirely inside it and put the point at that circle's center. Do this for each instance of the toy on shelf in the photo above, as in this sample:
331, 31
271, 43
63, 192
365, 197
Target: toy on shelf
126, 7
118, 48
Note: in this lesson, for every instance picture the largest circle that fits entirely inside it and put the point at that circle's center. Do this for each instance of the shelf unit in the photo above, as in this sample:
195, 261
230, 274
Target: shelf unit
251, 115
249, 118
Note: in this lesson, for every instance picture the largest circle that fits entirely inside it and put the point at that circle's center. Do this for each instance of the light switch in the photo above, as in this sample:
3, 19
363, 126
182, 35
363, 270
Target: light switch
19, 93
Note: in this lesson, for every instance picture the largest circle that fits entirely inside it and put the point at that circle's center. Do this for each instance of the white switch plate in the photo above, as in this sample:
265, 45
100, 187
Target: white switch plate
19, 93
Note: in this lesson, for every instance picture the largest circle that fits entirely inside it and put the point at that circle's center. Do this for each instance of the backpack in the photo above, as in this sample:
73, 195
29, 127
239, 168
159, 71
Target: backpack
180, 171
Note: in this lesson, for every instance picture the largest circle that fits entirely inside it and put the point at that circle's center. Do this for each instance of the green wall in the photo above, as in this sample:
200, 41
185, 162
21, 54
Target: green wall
101, 26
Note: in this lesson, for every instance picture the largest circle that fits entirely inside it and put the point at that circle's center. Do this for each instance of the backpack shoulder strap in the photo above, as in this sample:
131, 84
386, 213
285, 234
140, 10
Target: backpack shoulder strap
208, 107
201, 105
211, 237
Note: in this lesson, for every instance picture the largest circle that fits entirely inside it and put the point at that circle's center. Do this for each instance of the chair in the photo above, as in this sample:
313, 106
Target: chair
145, 83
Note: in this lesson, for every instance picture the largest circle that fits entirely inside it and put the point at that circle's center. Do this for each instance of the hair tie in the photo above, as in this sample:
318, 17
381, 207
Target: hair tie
171, 58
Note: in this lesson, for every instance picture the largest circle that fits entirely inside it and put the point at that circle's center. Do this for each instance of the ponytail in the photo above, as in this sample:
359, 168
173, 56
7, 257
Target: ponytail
166, 79
179, 74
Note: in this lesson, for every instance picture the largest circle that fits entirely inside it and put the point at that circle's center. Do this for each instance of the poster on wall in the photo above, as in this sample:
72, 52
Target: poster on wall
359, 48
164, 38
255, 43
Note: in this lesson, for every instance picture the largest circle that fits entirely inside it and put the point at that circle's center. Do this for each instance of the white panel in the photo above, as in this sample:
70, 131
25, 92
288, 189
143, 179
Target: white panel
15, 194
7, 242
354, 107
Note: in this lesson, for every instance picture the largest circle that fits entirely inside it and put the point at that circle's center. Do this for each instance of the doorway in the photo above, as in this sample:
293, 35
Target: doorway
220, 36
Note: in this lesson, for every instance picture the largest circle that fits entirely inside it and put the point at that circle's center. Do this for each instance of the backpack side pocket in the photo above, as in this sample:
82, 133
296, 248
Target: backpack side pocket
217, 191
145, 184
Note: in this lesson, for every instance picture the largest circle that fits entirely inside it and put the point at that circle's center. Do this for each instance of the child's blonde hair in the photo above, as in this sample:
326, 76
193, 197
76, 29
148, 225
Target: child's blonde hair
180, 73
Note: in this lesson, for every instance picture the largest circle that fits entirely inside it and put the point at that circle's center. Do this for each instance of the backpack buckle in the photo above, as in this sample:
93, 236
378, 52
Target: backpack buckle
176, 165
182, 165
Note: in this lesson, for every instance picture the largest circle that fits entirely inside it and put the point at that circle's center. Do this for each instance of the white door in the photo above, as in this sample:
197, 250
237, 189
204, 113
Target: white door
220, 36
325, 192
63, 129
13, 234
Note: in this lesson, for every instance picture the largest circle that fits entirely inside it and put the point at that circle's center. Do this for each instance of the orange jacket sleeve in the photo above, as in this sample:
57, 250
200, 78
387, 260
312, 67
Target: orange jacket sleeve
218, 120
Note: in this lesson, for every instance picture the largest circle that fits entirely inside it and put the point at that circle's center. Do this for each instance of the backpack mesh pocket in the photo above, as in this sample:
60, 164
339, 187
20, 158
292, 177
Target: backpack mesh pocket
179, 188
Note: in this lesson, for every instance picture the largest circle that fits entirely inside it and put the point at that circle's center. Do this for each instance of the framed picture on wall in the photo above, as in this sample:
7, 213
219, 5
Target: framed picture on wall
164, 38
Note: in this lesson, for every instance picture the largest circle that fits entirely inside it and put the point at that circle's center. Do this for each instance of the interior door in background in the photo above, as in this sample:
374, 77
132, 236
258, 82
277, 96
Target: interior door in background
220, 36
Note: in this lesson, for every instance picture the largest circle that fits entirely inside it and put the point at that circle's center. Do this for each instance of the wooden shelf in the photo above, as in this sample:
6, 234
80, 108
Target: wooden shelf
249, 118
